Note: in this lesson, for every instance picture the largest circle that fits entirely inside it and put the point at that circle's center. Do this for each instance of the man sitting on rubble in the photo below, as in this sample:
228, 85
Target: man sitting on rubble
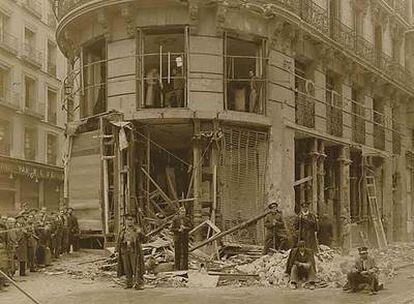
365, 273
301, 266
276, 236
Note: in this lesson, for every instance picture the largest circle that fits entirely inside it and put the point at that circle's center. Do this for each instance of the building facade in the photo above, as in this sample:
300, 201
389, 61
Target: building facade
31, 121
229, 104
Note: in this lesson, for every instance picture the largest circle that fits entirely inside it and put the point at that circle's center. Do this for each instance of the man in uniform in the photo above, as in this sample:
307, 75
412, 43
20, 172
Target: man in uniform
73, 227
364, 273
22, 252
181, 226
306, 225
301, 266
276, 236
130, 252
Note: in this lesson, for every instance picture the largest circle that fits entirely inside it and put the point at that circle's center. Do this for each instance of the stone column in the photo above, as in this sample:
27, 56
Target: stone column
321, 178
197, 173
344, 199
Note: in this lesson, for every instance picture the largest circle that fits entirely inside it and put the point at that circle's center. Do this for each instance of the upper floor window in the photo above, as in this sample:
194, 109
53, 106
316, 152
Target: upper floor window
51, 106
51, 58
245, 77
378, 41
51, 149
358, 21
358, 115
163, 68
4, 84
94, 79
5, 137
30, 143
30, 93
334, 117
304, 95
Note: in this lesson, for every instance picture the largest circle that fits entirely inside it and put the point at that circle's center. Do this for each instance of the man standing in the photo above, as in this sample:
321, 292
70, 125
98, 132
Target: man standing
301, 266
307, 227
65, 232
22, 252
276, 236
364, 273
12, 242
181, 225
130, 252
57, 236
73, 227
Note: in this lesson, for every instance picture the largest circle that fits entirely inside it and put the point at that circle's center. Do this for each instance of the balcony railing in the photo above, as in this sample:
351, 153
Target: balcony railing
8, 42
365, 49
315, 15
344, 35
32, 55
305, 110
34, 6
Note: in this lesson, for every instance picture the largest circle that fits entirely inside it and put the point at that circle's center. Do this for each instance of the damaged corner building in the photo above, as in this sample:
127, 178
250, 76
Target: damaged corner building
223, 106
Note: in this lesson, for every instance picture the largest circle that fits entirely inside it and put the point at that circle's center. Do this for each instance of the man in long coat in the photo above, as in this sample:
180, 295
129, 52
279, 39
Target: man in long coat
181, 225
306, 226
22, 250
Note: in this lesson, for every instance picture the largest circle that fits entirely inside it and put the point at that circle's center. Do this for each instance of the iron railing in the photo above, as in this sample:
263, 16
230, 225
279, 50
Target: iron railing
343, 34
305, 110
315, 15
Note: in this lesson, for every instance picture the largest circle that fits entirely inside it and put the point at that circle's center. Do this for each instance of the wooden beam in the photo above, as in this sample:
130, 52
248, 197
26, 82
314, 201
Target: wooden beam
162, 193
302, 180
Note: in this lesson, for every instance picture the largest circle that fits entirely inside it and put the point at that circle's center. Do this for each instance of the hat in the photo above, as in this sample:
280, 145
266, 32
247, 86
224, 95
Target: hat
272, 202
363, 249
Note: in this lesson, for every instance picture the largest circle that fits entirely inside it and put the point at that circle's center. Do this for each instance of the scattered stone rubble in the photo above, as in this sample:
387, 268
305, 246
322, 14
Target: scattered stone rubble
239, 265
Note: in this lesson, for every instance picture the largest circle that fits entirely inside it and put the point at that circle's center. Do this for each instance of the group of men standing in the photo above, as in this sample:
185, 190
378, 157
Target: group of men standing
309, 232
32, 238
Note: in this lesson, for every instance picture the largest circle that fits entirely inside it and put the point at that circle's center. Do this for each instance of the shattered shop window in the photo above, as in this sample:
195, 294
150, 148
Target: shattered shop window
164, 69
245, 77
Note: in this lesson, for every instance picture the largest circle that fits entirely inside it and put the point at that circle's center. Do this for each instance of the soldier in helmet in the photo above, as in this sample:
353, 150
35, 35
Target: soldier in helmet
276, 235
130, 252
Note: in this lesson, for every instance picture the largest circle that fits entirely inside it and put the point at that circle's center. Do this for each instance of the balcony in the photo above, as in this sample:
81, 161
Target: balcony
315, 15
304, 110
34, 7
343, 34
8, 42
65, 6
31, 55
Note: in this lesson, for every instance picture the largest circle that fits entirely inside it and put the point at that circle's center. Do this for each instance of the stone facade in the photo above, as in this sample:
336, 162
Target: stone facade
31, 119
318, 89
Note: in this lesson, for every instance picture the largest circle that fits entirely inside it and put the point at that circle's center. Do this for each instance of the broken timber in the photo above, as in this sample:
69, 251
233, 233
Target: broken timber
231, 230
302, 180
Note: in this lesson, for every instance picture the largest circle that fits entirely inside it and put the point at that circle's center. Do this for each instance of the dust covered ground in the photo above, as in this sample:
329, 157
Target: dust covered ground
79, 278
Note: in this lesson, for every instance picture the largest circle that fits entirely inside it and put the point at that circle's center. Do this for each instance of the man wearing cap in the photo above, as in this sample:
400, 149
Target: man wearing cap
306, 225
22, 251
275, 236
364, 273
130, 252
73, 227
181, 225
301, 266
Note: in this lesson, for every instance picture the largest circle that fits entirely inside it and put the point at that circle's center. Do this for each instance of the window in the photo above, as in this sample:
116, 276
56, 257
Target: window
51, 58
358, 116
358, 21
245, 75
5, 137
4, 85
30, 142
30, 93
304, 100
379, 123
94, 79
51, 149
334, 117
164, 72
51, 106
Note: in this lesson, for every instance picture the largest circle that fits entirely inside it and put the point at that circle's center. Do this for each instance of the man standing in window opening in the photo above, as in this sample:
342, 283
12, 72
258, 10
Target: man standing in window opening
181, 226
175, 97
306, 226
254, 97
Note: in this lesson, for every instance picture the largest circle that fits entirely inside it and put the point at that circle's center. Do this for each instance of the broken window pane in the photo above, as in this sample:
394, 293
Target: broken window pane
245, 77
164, 78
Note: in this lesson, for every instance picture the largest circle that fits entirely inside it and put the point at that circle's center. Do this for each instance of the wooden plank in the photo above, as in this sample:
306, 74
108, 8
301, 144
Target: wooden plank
162, 193
171, 182
302, 180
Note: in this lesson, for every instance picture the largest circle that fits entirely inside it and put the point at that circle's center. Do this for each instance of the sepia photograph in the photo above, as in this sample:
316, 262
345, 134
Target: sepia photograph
206, 151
